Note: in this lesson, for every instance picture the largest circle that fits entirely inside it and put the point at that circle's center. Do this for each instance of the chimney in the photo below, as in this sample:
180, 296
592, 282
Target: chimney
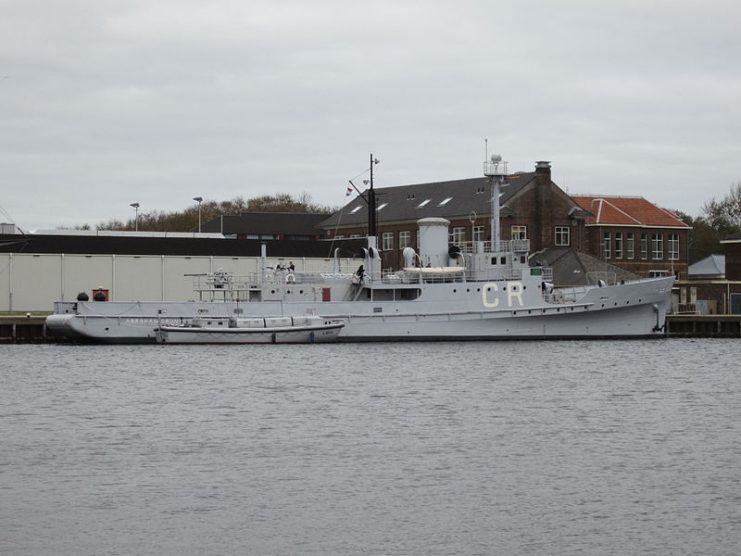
543, 167
543, 206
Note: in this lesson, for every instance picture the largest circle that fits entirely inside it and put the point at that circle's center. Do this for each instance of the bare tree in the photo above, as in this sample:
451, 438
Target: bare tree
725, 214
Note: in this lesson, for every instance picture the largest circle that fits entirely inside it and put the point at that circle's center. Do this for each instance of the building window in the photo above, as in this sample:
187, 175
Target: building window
478, 233
657, 247
518, 232
630, 247
606, 245
563, 236
387, 241
458, 236
618, 245
657, 273
405, 239
673, 247
644, 246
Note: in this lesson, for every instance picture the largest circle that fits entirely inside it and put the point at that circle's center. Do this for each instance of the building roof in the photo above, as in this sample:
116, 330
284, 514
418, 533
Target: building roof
267, 223
195, 247
608, 210
443, 199
713, 265
733, 238
574, 268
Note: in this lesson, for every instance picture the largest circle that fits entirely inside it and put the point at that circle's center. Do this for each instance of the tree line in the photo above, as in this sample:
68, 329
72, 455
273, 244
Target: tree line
720, 218
187, 220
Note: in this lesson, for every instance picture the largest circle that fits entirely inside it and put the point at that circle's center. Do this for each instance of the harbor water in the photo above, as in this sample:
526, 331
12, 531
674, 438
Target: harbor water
593, 447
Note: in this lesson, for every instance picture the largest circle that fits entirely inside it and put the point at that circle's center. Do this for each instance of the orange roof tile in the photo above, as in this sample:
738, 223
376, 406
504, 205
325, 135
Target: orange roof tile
626, 211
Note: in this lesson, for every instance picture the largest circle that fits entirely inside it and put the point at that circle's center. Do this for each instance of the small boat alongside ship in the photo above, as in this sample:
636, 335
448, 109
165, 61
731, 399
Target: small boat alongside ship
480, 290
255, 330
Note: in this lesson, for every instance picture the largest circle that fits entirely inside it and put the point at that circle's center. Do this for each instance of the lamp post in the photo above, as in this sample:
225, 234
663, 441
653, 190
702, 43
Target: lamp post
135, 206
199, 200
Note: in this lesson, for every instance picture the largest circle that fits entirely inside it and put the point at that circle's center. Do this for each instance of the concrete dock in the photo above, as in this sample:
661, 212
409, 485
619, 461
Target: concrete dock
24, 328
703, 326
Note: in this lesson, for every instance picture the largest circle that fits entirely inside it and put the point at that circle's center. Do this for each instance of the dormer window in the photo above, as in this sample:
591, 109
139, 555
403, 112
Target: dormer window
444, 201
423, 203
380, 207
356, 209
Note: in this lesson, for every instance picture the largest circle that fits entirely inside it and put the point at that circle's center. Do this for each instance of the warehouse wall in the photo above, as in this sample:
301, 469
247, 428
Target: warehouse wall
33, 282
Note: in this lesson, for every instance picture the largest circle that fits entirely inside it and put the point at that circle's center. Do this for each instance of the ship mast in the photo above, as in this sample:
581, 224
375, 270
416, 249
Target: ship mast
372, 255
496, 170
372, 212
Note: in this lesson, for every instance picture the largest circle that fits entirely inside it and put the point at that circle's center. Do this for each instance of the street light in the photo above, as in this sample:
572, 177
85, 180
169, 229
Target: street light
135, 206
199, 200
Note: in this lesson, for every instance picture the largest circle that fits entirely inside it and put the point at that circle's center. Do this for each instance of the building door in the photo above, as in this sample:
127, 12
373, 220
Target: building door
736, 303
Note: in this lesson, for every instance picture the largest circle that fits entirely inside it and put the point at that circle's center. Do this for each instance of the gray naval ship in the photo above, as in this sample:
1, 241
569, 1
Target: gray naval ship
473, 291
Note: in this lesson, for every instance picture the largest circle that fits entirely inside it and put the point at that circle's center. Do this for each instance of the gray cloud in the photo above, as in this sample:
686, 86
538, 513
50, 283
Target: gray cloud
106, 103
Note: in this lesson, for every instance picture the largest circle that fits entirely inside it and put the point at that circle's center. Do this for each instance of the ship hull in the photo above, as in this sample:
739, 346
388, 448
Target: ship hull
286, 335
631, 310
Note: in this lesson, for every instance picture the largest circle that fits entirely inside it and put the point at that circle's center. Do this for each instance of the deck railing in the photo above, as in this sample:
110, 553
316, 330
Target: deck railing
505, 246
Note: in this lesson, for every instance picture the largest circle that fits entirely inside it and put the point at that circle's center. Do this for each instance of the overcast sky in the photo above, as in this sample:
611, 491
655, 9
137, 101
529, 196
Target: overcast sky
108, 102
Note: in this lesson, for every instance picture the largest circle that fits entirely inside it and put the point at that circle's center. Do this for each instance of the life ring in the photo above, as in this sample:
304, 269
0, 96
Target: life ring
290, 278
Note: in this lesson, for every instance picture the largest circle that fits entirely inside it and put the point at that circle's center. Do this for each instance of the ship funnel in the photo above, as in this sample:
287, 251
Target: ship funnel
433, 241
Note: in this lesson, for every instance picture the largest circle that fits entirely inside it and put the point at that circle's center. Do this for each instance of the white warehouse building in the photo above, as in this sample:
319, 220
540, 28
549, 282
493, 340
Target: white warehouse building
37, 270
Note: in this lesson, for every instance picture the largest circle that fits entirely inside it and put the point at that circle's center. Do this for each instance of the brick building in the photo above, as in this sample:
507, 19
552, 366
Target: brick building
714, 284
732, 245
628, 232
634, 234
532, 207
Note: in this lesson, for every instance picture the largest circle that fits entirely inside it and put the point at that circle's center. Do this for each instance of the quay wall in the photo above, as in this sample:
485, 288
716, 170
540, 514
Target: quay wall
32, 328
703, 326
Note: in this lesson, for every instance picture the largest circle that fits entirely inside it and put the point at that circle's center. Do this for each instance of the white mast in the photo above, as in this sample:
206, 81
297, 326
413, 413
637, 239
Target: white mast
496, 170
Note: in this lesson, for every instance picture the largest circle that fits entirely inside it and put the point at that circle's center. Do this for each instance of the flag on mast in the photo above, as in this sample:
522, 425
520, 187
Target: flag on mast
348, 192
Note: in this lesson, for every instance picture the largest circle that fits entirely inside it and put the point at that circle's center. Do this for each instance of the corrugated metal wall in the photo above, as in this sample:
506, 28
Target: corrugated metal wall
33, 282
